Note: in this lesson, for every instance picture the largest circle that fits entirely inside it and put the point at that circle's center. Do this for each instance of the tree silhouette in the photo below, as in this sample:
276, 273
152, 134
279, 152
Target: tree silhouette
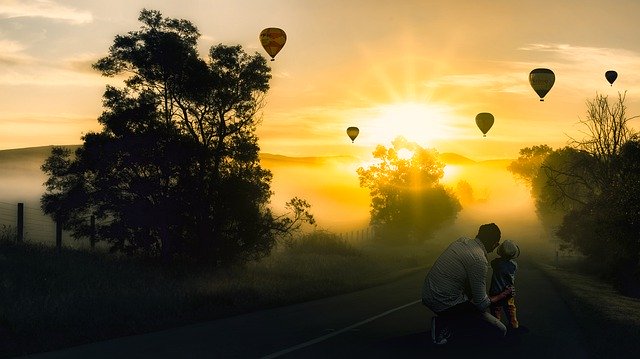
407, 200
593, 185
175, 169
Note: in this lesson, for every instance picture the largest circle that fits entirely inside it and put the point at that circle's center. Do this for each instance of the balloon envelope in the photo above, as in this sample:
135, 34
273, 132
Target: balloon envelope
353, 133
484, 120
611, 76
542, 80
272, 39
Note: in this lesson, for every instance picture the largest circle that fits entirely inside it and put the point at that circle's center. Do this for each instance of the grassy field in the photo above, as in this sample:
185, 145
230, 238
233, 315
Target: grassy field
610, 321
50, 299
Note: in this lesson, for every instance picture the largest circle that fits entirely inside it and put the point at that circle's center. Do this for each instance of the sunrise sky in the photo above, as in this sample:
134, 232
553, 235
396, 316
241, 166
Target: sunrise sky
418, 68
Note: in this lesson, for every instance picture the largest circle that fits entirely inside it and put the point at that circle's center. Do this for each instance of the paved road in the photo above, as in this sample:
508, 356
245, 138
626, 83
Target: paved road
382, 322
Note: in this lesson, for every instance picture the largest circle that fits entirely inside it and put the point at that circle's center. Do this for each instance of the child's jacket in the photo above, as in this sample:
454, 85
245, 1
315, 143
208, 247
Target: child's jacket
504, 274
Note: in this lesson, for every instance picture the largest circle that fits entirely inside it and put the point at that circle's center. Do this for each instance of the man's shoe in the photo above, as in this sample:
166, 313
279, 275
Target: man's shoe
439, 335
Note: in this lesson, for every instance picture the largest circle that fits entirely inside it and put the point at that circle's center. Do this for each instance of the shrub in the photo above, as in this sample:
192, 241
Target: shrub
8, 234
324, 243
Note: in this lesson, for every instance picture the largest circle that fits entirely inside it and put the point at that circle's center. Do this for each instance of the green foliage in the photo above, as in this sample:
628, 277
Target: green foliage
323, 243
407, 200
526, 166
47, 294
607, 227
8, 234
590, 192
175, 170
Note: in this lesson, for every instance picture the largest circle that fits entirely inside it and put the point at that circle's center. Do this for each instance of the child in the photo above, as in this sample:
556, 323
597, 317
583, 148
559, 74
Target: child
504, 274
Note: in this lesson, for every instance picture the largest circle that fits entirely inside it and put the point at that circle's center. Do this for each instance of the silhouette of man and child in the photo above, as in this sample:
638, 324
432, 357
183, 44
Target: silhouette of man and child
455, 289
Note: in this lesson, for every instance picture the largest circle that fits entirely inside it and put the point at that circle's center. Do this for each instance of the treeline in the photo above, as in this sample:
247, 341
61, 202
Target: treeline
589, 191
174, 172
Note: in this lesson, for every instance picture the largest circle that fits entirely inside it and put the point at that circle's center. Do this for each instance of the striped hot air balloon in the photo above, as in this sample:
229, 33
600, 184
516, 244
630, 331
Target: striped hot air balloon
273, 39
542, 80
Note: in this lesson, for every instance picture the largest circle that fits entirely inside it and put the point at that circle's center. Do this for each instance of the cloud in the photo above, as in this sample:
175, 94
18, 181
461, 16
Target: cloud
54, 76
19, 68
510, 82
581, 63
13, 53
82, 63
43, 9
585, 55
471, 80
75, 71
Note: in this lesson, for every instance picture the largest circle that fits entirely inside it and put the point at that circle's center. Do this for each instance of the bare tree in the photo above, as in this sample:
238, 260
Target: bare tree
588, 165
606, 132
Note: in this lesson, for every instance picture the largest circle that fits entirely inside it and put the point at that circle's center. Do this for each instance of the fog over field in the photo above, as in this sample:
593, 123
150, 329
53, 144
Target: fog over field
487, 190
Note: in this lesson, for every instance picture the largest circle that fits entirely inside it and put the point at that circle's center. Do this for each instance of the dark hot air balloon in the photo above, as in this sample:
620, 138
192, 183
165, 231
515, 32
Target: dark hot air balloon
611, 76
273, 39
484, 120
542, 80
353, 133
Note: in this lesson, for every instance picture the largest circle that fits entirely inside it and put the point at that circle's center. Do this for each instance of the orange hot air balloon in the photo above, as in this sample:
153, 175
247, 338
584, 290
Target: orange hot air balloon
541, 80
273, 39
611, 76
484, 121
353, 132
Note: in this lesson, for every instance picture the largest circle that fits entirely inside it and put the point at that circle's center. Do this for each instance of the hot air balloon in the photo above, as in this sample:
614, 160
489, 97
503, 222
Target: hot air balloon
484, 120
272, 40
353, 133
611, 76
542, 80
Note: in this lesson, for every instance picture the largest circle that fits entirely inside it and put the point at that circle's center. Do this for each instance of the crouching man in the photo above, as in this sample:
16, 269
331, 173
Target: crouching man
455, 289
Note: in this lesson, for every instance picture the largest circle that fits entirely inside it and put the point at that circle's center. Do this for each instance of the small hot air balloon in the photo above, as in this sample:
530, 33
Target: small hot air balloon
542, 80
272, 39
611, 76
353, 133
484, 120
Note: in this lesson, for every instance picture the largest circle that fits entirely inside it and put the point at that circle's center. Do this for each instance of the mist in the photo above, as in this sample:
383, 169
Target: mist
496, 196
487, 191
21, 179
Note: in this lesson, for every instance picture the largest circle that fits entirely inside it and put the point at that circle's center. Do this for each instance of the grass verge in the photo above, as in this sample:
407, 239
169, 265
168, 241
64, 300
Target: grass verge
54, 299
610, 320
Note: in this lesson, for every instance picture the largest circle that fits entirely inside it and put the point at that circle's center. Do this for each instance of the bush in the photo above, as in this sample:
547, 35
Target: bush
324, 243
8, 234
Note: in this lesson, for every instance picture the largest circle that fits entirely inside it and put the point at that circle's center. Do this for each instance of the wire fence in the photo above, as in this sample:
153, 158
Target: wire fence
32, 225
37, 227
358, 235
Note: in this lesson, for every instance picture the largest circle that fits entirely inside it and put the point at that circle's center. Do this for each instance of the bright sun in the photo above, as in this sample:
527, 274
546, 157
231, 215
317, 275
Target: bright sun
417, 122
405, 154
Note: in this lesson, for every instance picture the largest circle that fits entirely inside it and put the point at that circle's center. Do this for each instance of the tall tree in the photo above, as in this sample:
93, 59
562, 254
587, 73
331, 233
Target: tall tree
593, 183
528, 163
407, 200
175, 169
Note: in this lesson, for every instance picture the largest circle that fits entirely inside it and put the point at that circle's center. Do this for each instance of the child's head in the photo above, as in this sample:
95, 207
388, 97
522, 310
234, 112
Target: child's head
508, 250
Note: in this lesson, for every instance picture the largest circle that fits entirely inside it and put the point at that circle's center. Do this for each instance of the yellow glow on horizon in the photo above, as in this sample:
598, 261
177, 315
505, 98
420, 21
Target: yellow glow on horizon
417, 122
451, 173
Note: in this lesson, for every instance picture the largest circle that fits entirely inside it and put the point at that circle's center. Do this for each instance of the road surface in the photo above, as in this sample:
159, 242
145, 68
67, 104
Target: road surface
387, 321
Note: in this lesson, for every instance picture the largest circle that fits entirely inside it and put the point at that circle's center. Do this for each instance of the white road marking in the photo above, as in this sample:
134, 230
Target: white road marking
337, 332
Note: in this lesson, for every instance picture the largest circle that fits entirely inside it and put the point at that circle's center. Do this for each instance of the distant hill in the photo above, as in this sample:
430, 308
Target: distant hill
35, 156
455, 159
29, 154
269, 159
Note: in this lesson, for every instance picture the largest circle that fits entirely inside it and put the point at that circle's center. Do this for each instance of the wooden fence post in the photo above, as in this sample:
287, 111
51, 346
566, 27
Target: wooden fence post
20, 222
